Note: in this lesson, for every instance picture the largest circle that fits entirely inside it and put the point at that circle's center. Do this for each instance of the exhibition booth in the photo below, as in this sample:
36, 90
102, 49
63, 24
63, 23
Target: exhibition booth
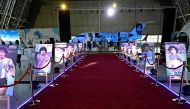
41, 64
43, 61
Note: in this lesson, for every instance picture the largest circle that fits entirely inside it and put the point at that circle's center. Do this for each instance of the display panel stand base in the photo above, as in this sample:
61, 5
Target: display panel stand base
179, 101
33, 102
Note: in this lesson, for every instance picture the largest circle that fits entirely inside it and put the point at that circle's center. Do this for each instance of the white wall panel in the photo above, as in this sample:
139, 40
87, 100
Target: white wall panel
85, 20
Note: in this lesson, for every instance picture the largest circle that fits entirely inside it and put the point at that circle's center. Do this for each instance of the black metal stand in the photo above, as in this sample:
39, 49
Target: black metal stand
179, 100
53, 72
144, 72
156, 82
33, 102
64, 75
71, 69
136, 65
156, 75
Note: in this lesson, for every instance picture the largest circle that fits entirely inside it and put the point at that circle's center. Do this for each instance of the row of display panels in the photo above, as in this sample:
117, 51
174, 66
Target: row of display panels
29, 37
175, 54
43, 55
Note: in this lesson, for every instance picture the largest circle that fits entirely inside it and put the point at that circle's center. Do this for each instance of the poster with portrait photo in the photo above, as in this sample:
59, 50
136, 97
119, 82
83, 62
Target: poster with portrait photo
76, 48
8, 54
60, 51
175, 55
148, 50
124, 47
80, 46
43, 54
70, 47
131, 48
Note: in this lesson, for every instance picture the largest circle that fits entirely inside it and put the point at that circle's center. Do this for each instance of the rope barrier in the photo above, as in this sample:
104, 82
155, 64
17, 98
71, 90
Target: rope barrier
34, 67
22, 77
170, 67
17, 82
144, 57
59, 60
134, 55
152, 63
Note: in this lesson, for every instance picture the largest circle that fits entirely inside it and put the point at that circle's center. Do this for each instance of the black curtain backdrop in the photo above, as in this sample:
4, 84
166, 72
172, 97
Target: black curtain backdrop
64, 25
168, 27
34, 10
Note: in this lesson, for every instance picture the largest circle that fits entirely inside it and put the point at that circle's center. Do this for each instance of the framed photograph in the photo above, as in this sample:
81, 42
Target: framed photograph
43, 54
124, 47
80, 45
175, 55
8, 54
60, 51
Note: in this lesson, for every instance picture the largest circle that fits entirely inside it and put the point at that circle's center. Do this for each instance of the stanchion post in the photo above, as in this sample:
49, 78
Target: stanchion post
76, 58
63, 57
125, 56
157, 72
33, 102
129, 60
137, 59
145, 60
179, 100
8, 103
71, 62
64, 67
53, 72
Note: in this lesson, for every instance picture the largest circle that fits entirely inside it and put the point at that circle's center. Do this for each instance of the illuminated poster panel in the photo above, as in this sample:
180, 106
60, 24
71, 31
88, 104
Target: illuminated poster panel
131, 48
8, 56
34, 36
70, 48
9, 36
124, 47
43, 54
147, 49
175, 55
80, 46
60, 51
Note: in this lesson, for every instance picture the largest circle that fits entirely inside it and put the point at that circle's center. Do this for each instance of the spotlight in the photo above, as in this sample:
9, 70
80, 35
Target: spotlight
114, 5
63, 7
110, 11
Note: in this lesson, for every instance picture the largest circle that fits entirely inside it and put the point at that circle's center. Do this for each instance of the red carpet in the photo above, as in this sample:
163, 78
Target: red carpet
104, 82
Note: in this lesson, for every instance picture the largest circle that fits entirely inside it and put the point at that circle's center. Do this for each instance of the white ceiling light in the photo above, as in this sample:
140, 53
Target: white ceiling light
110, 12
